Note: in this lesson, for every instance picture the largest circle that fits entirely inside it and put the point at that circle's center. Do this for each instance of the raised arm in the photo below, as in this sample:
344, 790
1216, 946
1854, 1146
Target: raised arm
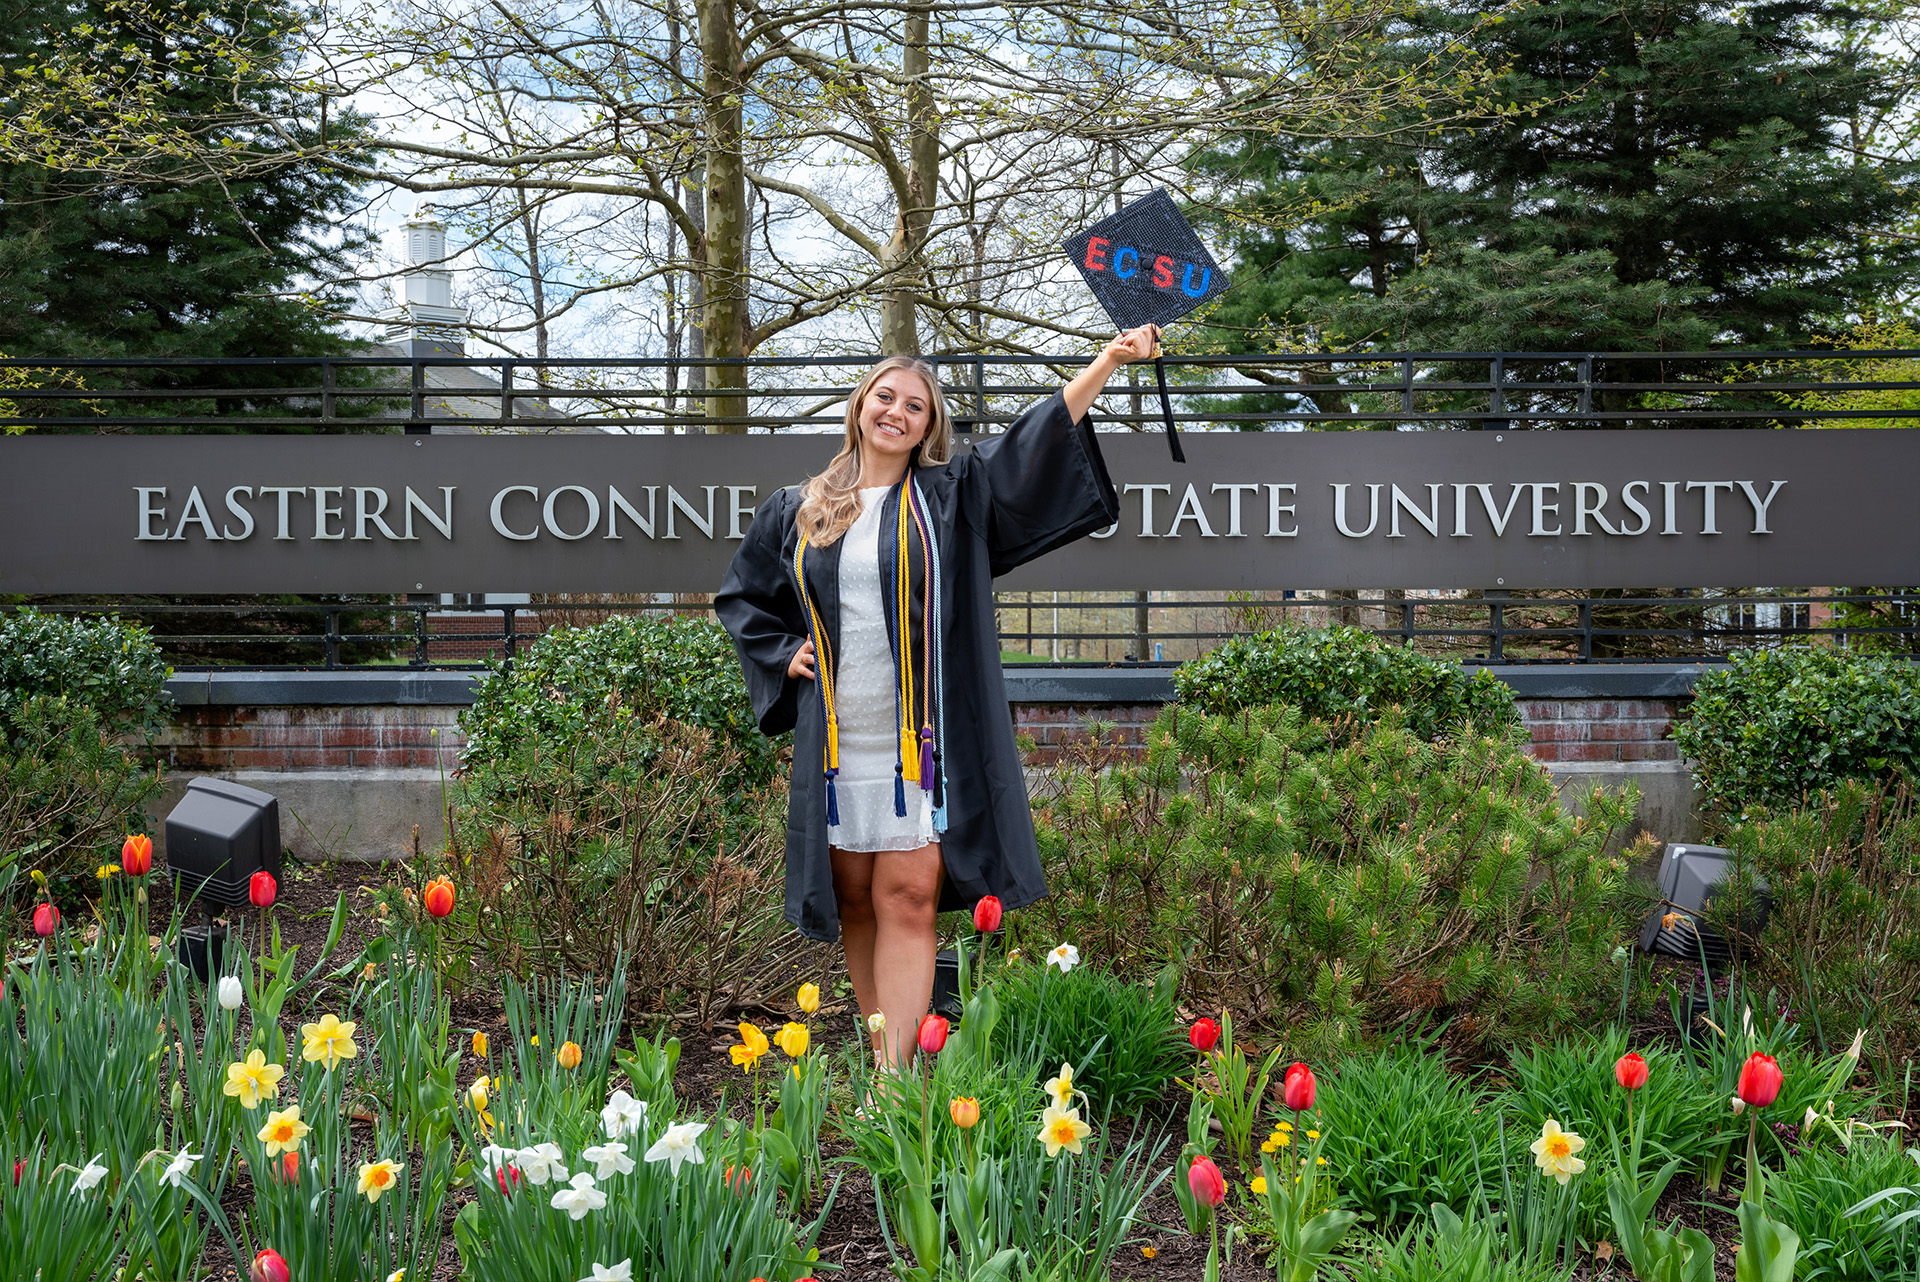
1122, 349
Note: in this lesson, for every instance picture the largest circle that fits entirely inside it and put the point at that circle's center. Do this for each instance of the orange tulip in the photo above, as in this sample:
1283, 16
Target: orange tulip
438, 897
136, 855
965, 1112
570, 1055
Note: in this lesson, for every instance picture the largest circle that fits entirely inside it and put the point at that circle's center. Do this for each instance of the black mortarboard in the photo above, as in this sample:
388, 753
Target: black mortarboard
1146, 267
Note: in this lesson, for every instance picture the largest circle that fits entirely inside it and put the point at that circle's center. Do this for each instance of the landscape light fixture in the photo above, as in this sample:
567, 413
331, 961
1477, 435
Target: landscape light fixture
1691, 878
219, 835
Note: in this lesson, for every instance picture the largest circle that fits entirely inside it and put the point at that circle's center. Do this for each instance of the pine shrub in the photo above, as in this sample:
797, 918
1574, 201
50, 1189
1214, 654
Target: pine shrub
1330, 878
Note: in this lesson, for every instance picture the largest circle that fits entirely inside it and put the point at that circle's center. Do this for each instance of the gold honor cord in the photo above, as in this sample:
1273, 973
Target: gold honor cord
823, 667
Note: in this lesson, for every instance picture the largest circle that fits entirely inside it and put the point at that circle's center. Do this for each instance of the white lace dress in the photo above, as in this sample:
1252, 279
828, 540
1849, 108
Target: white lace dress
867, 706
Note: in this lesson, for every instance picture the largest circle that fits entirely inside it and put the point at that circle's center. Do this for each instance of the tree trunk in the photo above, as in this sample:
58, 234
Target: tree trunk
724, 305
903, 257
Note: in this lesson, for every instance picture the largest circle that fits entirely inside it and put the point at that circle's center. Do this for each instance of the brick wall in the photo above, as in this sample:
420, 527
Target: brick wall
291, 738
1600, 729
375, 735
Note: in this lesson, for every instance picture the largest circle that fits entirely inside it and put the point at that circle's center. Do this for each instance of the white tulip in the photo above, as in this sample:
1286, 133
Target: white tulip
679, 1144
230, 993
579, 1197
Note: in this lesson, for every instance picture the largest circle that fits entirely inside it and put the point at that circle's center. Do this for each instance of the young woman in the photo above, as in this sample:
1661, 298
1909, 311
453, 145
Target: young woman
862, 608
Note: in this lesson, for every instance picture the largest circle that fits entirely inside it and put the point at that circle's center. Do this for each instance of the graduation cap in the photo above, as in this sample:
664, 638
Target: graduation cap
1146, 266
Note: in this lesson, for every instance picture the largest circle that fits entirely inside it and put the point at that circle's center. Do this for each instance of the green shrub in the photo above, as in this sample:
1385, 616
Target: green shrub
1776, 726
1843, 930
1342, 671
1403, 1133
558, 689
1123, 1040
112, 667
1330, 880
68, 792
1815, 1189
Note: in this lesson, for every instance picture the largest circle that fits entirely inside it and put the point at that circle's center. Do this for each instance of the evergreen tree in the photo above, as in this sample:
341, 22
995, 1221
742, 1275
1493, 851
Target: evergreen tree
184, 266
1676, 178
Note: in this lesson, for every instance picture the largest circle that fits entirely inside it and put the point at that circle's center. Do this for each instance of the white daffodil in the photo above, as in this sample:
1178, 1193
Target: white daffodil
495, 1157
90, 1175
621, 1272
623, 1116
1065, 956
230, 993
541, 1163
608, 1159
679, 1144
579, 1197
180, 1167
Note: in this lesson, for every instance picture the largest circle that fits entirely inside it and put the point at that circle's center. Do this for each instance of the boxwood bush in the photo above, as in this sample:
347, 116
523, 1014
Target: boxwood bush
1777, 726
1342, 671
111, 667
650, 666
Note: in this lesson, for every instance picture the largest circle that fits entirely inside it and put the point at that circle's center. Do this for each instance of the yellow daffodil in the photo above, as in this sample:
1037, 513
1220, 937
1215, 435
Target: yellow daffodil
377, 1178
1259, 1185
1062, 1129
1554, 1152
1061, 1088
327, 1042
753, 1044
792, 1039
398, 1275
283, 1132
809, 998
253, 1079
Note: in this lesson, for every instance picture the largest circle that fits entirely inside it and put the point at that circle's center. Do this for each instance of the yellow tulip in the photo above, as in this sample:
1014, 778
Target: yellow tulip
569, 1056
809, 998
793, 1040
479, 1045
753, 1044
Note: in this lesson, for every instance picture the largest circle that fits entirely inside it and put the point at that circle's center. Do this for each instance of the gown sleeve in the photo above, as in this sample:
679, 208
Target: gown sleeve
1045, 484
760, 607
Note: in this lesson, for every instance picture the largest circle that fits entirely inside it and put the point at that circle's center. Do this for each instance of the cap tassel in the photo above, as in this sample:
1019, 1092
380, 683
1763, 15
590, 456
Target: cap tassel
833, 801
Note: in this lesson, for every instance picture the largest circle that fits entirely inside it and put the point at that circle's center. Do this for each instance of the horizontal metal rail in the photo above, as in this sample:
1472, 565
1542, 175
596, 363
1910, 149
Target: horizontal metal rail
378, 633
1397, 390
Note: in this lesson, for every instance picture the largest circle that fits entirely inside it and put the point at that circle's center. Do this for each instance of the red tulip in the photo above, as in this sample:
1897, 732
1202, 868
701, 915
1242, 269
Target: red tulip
19, 1165
262, 888
1205, 1035
288, 1168
738, 1178
136, 855
506, 1177
46, 919
1208, 1185
1760, 1080
270, 1266
1631, 1070
933, 1034
986, 915
1299, 1088
438, 897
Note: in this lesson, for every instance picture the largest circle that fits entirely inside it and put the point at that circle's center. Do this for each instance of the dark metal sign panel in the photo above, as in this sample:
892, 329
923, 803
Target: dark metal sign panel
262, 514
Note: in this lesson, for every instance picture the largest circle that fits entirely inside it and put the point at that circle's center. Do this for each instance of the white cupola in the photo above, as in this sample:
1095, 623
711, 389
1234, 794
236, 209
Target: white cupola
426, 316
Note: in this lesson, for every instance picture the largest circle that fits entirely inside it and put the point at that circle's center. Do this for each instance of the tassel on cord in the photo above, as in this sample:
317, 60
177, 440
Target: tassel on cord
899, 793
833, 801
926, 759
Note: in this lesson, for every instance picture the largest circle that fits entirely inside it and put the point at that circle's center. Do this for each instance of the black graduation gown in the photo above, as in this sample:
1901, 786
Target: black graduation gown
1017, 496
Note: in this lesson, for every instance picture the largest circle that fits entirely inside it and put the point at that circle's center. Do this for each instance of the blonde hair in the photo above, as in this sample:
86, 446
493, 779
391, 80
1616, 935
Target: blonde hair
830, 502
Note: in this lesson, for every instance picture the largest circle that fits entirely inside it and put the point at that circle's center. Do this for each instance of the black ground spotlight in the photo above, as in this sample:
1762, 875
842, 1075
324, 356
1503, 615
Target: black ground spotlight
219, 835
1691, 877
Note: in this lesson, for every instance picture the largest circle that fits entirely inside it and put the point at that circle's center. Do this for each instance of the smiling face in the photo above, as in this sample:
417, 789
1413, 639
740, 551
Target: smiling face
895, 416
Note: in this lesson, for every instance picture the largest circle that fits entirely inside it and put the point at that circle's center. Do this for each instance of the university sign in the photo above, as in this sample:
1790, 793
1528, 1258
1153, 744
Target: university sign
1515, 509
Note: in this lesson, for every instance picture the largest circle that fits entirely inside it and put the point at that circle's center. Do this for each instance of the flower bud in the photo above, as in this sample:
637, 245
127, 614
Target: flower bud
987, 914
965, 1112
569, 1055
1208, 1185
270, 1266
229, 993
262, 889
136, 855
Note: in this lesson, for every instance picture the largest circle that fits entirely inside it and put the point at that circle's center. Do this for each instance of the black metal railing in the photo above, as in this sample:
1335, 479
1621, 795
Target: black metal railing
1591, 628
1385, 390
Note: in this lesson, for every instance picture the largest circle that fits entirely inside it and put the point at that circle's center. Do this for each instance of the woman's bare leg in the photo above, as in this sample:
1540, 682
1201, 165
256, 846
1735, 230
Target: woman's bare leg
887, 906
